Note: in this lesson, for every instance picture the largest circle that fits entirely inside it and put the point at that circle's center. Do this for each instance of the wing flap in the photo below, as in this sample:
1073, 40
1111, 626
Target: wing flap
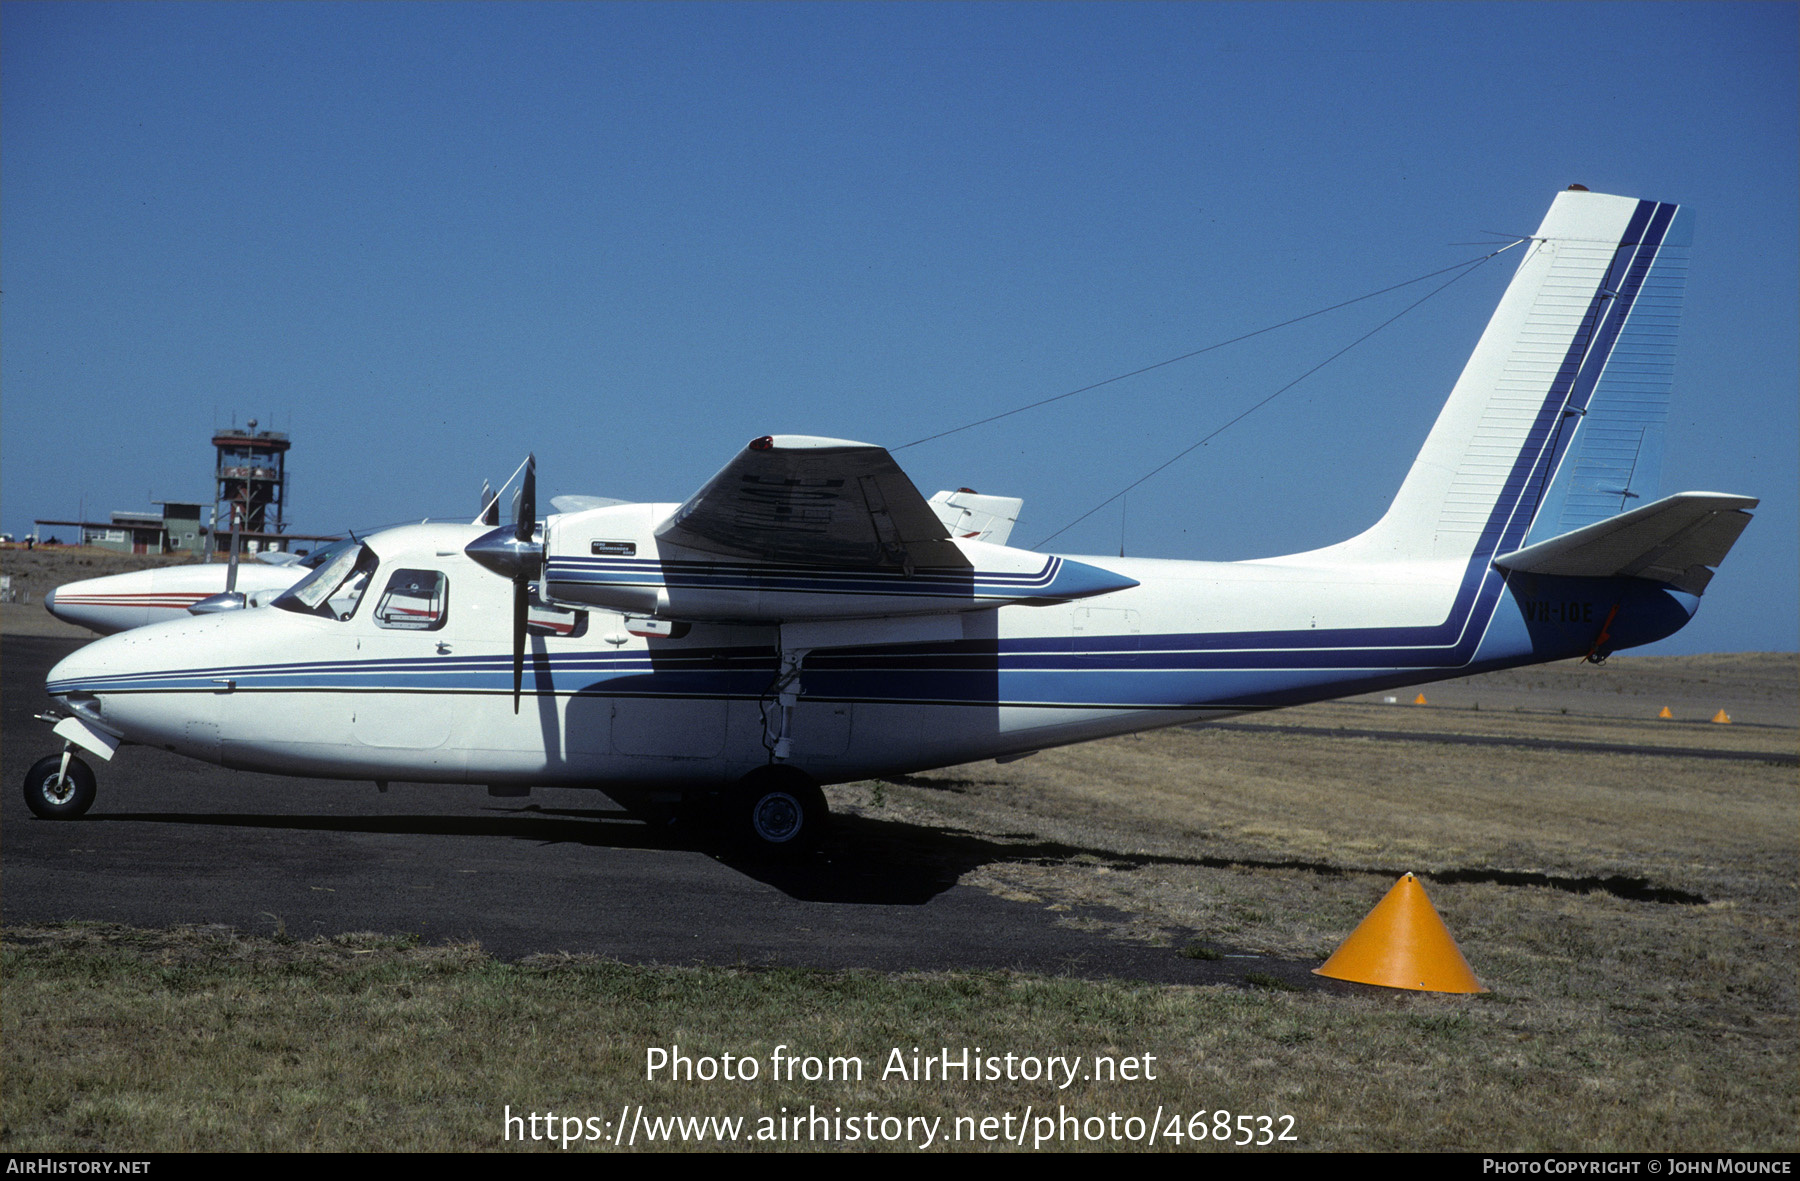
1673, 540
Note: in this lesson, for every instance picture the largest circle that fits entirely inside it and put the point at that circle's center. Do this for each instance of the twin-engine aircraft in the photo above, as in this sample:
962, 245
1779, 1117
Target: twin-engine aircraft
807, 617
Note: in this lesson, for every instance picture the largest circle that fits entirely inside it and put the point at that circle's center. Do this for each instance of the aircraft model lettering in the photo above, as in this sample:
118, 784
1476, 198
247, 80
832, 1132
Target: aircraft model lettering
807, 617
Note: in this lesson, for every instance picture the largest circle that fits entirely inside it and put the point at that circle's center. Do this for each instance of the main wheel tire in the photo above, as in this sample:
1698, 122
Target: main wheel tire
52, 794
777, 812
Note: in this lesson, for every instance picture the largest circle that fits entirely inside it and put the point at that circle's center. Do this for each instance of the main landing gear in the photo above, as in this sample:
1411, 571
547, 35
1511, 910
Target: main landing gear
59, 787
775, 811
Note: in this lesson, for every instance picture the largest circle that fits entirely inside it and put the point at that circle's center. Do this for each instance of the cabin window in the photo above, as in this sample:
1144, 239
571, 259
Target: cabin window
415, 600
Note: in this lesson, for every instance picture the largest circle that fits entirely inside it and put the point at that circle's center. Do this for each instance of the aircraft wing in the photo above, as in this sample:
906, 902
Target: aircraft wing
1671, 540
824, 502
800, 530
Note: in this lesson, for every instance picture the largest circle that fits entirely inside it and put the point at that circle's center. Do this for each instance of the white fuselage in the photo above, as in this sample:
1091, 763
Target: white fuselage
280, 691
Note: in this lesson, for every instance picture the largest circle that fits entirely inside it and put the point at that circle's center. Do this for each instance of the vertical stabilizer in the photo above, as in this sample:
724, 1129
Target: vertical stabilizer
1556, 421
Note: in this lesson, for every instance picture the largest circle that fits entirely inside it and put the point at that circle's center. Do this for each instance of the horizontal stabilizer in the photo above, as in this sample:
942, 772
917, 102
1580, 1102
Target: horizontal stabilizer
1673, 540
974, 517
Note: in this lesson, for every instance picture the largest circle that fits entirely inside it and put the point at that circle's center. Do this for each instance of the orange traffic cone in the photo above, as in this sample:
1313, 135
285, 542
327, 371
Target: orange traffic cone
1419, 700
1665, 713
1402, 944
1722, 717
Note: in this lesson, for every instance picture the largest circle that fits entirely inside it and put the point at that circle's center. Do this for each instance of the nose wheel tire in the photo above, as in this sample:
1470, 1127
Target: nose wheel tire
777, 812
55, 794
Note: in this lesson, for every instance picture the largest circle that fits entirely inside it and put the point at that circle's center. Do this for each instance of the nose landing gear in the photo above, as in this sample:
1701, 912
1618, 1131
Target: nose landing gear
59, 787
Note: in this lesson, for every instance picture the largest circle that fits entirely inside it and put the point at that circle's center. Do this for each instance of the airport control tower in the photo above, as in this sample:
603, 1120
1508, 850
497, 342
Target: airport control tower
252, 485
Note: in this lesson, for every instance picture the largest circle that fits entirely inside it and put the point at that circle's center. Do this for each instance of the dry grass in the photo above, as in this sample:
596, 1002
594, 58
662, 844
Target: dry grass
36, 572
201, 1040
1635, 914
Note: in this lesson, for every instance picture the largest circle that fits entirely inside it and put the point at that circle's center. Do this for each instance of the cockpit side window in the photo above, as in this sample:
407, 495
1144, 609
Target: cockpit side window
415, 600
335, 588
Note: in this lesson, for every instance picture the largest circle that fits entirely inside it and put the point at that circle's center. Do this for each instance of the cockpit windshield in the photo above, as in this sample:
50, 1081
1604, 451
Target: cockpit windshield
325, 553
336, 587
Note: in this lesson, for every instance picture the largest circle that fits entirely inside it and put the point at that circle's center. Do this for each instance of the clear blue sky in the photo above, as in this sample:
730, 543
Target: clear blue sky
426, 239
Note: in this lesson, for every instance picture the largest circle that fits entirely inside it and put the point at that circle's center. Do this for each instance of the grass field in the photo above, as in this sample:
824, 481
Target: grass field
1634, 914
33, 573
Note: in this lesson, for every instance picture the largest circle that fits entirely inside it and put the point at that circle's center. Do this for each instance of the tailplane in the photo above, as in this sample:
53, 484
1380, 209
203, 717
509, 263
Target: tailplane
1672, 541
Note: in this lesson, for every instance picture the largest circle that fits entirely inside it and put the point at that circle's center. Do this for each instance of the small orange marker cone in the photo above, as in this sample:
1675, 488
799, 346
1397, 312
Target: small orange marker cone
1723, 718
1665, 713
1402, 944
1419, 700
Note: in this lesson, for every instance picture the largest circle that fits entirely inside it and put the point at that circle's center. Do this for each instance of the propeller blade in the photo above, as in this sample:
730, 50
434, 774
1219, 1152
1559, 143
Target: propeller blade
512, 551
521, 609
515, 554
232, 565
527, 519
490, 506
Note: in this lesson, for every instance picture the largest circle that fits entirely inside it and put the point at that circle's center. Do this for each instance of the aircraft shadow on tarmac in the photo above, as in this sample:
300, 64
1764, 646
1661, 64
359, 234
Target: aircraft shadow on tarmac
865, 861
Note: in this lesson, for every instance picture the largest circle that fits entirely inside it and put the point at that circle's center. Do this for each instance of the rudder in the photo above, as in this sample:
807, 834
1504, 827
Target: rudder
1556, 420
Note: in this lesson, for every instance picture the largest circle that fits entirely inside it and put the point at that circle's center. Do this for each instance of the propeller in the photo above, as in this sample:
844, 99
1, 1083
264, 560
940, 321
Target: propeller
511, 552
490, 506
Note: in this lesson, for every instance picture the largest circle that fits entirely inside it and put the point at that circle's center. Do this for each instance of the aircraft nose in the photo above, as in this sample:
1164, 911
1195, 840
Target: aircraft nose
112, 684
75, 673
104, 605
113, 662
